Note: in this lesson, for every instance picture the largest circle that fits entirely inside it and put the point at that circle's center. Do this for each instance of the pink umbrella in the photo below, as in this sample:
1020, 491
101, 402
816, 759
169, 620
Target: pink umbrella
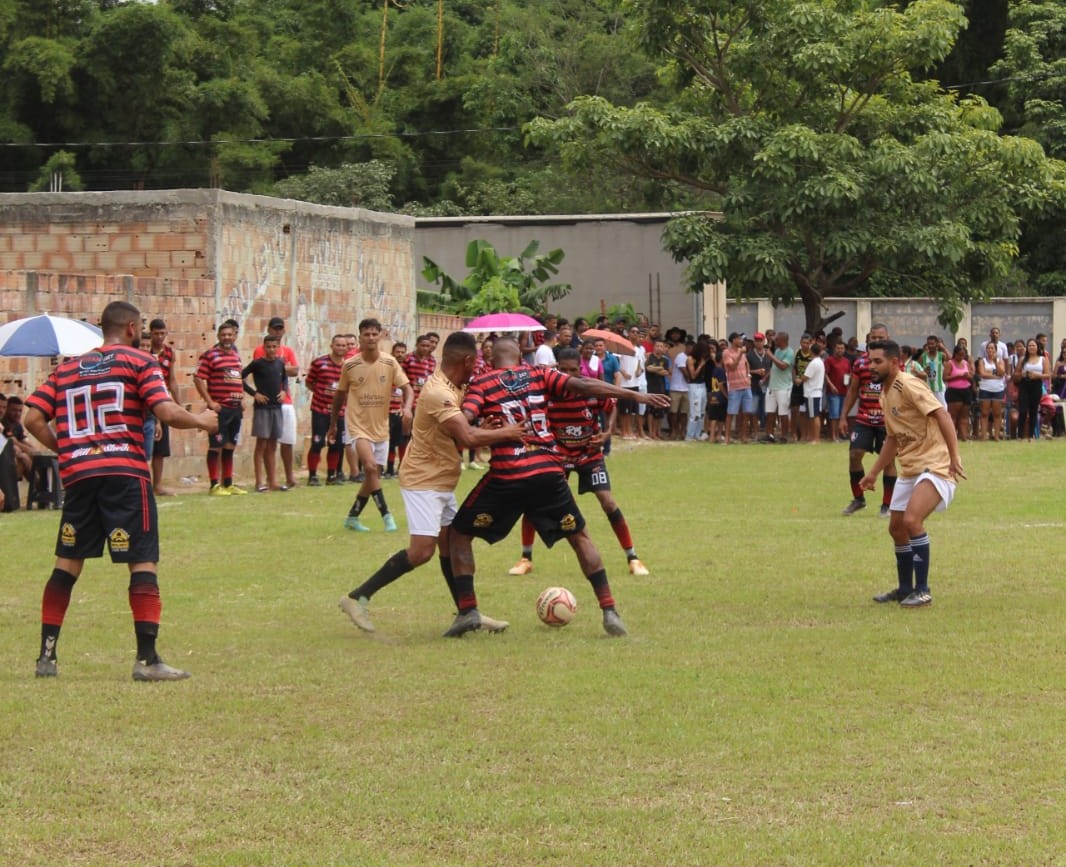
502, 322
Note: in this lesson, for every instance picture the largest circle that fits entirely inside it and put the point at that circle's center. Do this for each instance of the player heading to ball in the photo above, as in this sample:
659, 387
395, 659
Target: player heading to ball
98, 403
920, 433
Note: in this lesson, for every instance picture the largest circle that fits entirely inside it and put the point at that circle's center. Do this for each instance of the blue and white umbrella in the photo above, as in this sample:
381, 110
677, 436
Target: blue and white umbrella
45, 335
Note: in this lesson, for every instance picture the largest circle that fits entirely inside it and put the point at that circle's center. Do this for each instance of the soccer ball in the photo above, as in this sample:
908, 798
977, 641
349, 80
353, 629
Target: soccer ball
556, 606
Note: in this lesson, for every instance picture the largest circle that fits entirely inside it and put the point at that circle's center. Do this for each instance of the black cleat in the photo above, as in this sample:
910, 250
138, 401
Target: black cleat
467, 621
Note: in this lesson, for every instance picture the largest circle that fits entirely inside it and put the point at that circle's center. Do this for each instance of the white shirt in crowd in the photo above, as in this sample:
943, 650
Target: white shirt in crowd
814, 377
544, 355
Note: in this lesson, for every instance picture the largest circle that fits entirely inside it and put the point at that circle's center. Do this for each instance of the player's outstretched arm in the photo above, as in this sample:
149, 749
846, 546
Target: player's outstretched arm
587, 387
490, 432
175, 415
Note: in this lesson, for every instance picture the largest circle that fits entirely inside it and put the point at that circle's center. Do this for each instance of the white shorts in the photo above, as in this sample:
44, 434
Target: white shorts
380, 450
428, 511
901, 494
778, 401
288, 425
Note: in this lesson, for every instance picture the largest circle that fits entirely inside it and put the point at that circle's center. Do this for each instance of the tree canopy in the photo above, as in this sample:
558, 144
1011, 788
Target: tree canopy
816, 128
833, 167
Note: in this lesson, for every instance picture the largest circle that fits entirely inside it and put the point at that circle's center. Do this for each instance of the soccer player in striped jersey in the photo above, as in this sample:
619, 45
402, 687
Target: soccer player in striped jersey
322, 378
98, 402
526, 477
218, 381
575, 424
868, 431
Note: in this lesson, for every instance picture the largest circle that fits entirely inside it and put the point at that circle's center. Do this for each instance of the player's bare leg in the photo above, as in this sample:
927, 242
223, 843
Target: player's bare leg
369, 490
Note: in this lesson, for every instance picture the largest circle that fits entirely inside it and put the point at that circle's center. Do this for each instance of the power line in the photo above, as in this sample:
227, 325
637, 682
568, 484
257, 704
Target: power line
1028, 77
279, 140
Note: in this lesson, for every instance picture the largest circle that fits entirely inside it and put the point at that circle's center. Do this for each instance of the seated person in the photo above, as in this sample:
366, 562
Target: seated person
11, 421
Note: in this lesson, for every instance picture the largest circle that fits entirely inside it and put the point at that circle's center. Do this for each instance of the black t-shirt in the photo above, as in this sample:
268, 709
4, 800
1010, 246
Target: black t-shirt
269, 378
755, 363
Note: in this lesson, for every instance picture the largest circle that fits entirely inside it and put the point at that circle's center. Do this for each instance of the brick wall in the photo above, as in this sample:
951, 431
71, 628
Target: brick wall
196, 257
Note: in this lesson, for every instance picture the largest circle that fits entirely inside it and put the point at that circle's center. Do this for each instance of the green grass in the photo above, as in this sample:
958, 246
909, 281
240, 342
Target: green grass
764, 711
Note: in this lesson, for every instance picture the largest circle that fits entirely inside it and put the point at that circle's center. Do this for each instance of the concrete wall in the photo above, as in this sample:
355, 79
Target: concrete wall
610, 259
196, 257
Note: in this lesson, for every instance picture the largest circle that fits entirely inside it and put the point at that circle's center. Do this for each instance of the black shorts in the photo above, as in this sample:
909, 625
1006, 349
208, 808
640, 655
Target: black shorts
796, 398
162, 445
716, 411
492, 509
117, 509
229, 428
866, 438
591, 477
396, 437
629, 407
319, 429
959, 395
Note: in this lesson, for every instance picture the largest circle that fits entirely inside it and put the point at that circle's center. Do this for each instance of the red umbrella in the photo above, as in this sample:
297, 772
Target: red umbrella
615, 342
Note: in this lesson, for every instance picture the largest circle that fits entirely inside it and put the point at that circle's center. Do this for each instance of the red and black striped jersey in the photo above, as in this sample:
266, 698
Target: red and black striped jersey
574, 421
519, 394
418, 370
870, 412
221, 368
165, 359
322, 378
98, 402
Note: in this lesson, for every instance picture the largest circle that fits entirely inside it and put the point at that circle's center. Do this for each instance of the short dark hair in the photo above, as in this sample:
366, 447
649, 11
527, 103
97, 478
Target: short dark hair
156, 325
432, 334
231, 323
369, 323
117, 315
889, 347
14, 400
568, 353
270, 338
459, 344
399, 343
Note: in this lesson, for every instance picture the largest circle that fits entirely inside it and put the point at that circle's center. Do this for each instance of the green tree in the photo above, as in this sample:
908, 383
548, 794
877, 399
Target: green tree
496, 284
832, 168
360, 185
59, 168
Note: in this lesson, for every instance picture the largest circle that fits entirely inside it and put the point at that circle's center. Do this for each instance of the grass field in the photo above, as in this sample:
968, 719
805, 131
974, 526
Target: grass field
763, 711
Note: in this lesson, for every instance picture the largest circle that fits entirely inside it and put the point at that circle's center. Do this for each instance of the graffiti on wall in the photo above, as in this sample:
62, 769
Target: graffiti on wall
267, 266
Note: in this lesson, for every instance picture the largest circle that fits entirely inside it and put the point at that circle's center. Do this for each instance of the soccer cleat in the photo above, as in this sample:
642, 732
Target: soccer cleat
522, 567
356, 609
335, 480
390, 522
893, 595
158, 670
917, 599
313, 482
46, 667
612, 623
466, 621
233, 489
854, 506
637, 568
353, 523
885, 510
219, 491
491, 624
361, 477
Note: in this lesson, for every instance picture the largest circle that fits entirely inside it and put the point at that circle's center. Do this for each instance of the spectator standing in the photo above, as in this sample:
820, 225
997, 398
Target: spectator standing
1031, 374
759, 364
16, 434
545, 353
1058, 376
738, 377
779, 389
218, 382
287, 436
837, 376
696, 365
958, 382
397, 441
991, 373
658, 372
813, 387
799, 364
717, 397
321, 380
163, 354
932, 359
1002, 350
678, 392
631, 368
268, 373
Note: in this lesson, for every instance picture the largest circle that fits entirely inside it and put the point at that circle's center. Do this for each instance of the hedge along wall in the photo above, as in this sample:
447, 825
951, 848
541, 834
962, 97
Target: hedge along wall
196, 257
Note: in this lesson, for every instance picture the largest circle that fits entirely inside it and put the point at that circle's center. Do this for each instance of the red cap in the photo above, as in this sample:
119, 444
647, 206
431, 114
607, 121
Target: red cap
759, 335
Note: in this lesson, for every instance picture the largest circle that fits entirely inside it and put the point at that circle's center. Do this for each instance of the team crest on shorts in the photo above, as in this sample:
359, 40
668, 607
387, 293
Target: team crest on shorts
119, 539
67, 535
568, 523
483, 520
